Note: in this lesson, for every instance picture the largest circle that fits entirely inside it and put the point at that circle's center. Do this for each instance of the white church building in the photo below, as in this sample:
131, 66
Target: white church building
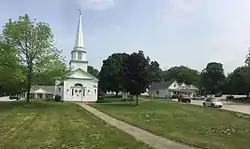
80, 85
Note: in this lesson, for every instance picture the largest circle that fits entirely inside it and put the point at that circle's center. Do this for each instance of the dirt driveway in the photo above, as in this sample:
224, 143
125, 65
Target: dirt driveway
228, 105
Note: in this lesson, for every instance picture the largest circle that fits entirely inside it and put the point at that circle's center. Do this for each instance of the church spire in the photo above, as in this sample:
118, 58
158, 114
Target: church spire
79, 34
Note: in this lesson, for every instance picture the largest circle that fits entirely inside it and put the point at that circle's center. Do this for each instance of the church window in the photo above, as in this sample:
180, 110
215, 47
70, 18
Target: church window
79, 56
80, 91
76, 91
59, 89
88, 90
67, 90
72, 92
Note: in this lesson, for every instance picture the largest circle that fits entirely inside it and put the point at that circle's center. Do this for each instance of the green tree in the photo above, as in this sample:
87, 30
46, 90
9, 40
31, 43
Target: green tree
11, 74
34, 44
93, 71
112, 74
212, 77
182, 74
239, 80
137, 74
156, 73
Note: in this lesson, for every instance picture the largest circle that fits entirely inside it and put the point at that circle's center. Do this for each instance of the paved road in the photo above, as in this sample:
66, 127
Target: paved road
6, 98
228, 105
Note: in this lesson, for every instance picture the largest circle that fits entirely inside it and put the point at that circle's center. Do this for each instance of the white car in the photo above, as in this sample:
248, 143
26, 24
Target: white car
212, 102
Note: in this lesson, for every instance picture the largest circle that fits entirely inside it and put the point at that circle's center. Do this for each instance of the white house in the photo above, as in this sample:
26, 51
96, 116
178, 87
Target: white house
168, 89
80, 85
40, 92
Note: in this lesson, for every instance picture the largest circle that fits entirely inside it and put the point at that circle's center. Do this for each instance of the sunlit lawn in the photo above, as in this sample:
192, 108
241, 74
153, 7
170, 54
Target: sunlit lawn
190, 124
57, 125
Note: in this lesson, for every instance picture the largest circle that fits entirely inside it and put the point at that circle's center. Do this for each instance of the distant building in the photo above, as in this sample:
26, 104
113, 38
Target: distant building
168, 89
40, 92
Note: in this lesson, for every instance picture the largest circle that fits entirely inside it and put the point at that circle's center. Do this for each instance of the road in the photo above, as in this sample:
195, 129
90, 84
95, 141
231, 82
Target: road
228, 105
6, 98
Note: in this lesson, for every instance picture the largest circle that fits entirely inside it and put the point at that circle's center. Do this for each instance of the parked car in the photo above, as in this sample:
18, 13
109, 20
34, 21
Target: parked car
183, 98
198, 97
14, 97
218, 95
212, 102
230, 97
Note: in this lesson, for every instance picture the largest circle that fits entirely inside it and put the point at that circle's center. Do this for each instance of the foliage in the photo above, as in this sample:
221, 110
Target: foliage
33, 42
94, 72
182, 74
12, 79
112, 74
137, 72
212, 77
58, 98
156, 73
239, 80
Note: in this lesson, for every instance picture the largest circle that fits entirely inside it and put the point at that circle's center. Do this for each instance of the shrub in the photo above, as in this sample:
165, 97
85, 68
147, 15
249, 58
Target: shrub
58, 98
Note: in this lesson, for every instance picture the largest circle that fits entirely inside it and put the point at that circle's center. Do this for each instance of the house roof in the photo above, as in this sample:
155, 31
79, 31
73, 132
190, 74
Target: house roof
160, 85
46, 89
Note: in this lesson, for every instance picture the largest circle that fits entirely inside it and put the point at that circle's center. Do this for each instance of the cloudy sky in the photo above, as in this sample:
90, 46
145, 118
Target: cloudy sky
173, 32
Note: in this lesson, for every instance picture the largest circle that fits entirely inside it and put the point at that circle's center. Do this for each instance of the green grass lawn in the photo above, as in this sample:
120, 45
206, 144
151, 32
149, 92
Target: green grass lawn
57, 125
194, 125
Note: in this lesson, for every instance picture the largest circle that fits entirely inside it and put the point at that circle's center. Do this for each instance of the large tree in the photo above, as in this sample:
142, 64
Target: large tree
182, 74
35, 47
137, 72
155, 71
112, 74
212, 77
93, 71
239, 81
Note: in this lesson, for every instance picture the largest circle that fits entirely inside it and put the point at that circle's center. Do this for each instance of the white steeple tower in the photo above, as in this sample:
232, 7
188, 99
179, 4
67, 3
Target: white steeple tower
78, 54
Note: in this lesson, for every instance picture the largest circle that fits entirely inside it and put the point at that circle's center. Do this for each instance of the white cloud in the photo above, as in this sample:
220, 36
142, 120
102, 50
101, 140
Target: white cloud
98, 5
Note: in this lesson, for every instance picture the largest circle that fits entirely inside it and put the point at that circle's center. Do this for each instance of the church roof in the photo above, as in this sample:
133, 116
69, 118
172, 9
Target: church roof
85, 72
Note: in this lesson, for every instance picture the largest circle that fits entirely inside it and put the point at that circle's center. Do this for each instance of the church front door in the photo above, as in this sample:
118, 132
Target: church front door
79, 94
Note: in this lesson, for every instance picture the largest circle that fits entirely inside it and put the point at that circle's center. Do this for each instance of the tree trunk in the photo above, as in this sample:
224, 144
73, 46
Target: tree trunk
137, 102
29, 83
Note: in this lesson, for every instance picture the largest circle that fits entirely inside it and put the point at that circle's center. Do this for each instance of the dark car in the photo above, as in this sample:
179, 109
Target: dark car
218, 95
183, 98
14, 97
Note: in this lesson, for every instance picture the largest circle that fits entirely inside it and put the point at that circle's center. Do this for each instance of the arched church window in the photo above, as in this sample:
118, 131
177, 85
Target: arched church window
78, 84
72, 92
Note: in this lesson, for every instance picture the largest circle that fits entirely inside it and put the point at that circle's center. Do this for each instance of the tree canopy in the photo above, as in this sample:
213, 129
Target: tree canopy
34, 46
212, 77
182, 74
93, 71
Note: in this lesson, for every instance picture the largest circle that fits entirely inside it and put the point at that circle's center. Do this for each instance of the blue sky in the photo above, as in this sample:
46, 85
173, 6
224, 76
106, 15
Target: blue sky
173, 32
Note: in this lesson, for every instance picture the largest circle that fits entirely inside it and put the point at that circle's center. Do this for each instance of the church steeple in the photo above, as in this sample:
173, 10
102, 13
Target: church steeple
78, 54
79, 34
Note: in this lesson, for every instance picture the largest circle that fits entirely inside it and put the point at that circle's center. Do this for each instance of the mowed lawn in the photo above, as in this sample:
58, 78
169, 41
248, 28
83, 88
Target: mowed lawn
197, 126
57, 125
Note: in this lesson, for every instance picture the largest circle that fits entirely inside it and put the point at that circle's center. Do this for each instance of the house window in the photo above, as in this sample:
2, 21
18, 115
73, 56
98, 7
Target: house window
79, 56
157, 92
76, 91
95, 91
174, 85
59, 89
